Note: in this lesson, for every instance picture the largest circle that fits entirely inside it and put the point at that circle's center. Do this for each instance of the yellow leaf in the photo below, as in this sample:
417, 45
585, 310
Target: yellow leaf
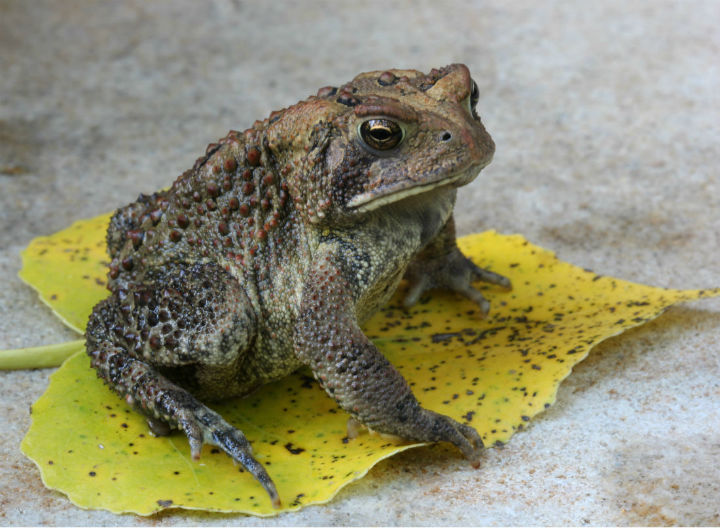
68, 269
495, 374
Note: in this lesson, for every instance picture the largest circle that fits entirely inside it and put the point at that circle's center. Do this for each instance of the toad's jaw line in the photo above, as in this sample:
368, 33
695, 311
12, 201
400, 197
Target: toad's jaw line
366, 202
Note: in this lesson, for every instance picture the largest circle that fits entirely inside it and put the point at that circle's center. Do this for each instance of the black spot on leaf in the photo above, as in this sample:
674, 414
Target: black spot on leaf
293, 450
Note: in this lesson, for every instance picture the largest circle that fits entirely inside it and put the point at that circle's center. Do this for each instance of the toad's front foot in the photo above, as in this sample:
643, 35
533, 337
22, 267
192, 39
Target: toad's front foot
435, 427
454, 271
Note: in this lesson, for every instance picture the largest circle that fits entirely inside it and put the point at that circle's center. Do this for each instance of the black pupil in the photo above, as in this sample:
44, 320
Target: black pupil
381, 133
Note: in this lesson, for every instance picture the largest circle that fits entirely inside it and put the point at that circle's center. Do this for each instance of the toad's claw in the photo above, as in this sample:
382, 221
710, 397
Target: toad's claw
194, 435
417, 287
475, 296
490, 277
201, 425
234, 443
158, 427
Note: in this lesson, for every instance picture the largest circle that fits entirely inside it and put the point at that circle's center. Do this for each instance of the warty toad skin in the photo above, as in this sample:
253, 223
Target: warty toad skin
271, 252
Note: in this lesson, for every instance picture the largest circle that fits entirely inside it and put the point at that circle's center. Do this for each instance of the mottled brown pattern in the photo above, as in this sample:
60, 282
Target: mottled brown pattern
272, 250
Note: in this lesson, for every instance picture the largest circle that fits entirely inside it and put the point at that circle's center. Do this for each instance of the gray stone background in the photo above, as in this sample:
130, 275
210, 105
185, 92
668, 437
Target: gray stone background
607, 123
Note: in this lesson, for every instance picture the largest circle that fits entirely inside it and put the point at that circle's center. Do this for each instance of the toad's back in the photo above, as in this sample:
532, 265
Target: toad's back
232, 208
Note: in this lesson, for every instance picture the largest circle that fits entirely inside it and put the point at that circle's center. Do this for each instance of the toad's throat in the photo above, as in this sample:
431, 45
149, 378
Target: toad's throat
371, 200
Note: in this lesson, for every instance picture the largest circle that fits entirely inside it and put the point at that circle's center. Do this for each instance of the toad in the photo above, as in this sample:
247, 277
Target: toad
279, 243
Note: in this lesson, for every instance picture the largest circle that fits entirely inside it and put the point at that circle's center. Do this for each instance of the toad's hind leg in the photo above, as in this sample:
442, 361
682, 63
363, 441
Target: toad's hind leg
197, 318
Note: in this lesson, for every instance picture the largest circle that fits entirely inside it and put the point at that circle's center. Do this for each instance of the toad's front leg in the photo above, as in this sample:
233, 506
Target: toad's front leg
352, 370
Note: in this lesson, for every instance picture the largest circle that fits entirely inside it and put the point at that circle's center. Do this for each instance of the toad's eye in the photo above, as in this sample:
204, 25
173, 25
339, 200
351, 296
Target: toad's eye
381, 134
474, 95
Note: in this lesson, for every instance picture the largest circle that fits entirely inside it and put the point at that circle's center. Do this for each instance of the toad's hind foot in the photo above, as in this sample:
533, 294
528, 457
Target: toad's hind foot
202, 425
172, 406
133, 347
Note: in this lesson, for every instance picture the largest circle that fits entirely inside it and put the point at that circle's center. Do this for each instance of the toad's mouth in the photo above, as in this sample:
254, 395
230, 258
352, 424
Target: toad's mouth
376, 198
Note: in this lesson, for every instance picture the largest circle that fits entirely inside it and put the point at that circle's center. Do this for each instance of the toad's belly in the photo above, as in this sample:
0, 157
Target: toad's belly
255, 367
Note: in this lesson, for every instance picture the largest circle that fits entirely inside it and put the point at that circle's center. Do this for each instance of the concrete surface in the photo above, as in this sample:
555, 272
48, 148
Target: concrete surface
607, 121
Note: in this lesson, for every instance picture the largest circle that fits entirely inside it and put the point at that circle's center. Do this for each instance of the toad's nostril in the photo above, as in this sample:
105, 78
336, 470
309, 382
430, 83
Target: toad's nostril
447, 136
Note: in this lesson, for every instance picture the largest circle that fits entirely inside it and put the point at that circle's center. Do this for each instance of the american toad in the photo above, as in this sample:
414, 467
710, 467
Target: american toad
278, 244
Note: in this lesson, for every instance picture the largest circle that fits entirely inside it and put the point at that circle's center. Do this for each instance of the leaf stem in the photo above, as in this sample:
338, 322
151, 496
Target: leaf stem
39, 357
